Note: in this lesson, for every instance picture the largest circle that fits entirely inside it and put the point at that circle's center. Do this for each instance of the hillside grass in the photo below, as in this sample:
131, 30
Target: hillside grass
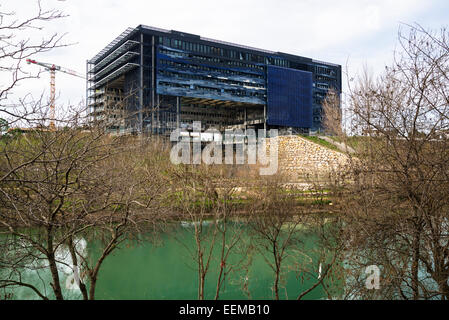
352, 141
321, 142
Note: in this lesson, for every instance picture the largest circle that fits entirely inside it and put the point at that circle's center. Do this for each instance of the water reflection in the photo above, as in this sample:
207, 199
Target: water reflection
166, 270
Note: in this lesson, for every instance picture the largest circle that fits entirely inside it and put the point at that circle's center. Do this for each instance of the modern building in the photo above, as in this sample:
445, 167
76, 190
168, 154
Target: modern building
154, 80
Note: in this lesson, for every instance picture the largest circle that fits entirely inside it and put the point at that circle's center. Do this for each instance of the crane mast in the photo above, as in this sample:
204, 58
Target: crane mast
52, 68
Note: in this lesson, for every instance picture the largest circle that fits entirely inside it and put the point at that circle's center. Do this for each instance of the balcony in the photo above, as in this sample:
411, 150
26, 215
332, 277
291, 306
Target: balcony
126, 46
120, 71
122, 59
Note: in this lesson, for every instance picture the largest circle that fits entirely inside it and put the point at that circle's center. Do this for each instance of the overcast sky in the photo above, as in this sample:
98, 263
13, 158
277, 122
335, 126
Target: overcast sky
353, 32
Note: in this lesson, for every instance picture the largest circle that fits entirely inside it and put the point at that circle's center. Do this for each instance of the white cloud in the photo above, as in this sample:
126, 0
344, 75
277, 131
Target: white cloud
327, 30
372, 19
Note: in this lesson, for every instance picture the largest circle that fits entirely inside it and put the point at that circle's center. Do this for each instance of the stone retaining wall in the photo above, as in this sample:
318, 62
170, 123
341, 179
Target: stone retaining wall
299, 158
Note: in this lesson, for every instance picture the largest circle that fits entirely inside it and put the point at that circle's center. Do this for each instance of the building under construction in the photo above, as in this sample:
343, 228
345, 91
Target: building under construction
155, 80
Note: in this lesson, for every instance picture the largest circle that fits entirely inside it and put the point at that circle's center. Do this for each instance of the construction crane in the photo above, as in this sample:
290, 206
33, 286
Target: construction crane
53, 68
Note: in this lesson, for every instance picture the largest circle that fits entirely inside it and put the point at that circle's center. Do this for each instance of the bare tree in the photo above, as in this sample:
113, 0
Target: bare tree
278, 229
16, 46
395, 195
77, 183
332, 114
204, 199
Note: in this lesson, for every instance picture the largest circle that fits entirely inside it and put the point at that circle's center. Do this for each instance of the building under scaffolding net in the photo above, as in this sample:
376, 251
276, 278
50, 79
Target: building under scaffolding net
154, 80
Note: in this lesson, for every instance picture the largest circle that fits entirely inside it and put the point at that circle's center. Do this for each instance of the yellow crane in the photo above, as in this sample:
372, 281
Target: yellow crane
53, 68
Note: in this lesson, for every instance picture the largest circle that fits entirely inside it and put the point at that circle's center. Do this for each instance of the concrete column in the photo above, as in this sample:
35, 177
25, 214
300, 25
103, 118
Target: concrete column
153, 82
265, 118
245, 119
157, 114
178, 109
87, 88
141, 86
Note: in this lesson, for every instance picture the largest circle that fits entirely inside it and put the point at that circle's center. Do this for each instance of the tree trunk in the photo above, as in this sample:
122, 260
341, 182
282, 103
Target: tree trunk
223, 259
56, 285
415, 262
81, 284
219, 281
93, 283
201, 276
277, 272
276, 285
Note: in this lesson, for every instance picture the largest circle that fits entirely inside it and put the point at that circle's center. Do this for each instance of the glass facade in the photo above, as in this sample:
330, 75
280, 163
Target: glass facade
171, 73
289, 97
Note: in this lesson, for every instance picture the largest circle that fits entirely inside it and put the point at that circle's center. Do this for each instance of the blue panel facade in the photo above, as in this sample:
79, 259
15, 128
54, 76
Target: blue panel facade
182, 73
289, 97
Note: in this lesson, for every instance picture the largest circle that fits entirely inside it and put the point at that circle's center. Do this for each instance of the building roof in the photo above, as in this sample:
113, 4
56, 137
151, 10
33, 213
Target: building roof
130, 30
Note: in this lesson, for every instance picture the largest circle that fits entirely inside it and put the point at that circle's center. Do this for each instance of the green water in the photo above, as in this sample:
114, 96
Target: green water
166, 270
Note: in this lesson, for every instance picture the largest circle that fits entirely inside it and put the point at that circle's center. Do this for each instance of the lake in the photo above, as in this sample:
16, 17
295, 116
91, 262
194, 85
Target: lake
166, 270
